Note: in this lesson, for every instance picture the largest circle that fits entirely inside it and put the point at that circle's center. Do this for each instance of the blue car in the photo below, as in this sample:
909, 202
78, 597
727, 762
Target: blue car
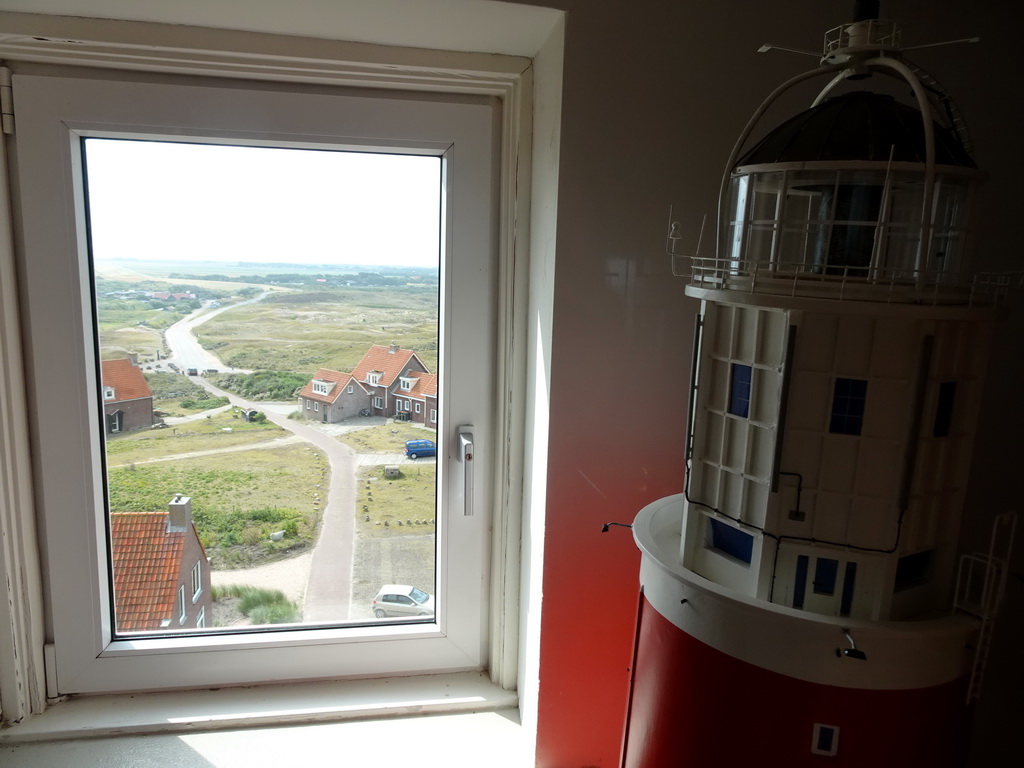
417, 448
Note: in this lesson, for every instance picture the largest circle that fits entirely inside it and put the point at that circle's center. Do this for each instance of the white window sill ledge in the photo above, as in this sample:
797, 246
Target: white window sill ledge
97, 717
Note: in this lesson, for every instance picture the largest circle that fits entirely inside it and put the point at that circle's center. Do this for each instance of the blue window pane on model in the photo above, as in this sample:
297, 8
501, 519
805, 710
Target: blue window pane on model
731, 541
825, 570
846, 602
848, 406
739, 390
944, 409
800, 583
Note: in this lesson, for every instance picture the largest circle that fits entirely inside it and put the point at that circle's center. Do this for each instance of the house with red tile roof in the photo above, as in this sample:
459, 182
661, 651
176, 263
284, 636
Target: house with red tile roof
416, 398
161, 574
127, 398
333, 396
387, 381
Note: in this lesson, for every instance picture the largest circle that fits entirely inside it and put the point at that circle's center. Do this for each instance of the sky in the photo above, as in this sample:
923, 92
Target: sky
161, 200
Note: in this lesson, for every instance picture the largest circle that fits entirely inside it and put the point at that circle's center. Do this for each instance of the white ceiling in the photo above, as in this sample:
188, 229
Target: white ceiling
456, 25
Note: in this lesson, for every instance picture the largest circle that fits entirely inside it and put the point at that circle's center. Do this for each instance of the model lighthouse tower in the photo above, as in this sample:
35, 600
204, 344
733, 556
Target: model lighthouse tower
803, 598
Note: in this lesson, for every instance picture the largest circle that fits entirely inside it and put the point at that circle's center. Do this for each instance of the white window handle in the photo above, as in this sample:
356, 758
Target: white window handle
464, 455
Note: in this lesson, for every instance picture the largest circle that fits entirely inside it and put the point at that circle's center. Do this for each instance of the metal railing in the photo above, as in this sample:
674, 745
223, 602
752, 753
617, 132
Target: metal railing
807, 280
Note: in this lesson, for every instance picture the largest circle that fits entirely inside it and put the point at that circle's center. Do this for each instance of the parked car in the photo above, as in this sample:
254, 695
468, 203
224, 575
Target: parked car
416, 448
402, 600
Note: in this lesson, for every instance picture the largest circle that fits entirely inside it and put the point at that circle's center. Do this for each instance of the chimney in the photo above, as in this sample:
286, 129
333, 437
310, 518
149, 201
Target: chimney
179, 514
134, 357
393, 348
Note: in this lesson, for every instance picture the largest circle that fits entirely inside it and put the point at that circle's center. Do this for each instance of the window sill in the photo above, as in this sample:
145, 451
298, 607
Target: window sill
277, 705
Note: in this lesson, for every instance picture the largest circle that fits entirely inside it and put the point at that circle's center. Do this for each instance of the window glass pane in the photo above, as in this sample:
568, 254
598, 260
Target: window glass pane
257, 310
800, 581
731, 541
825, 570
848, 406
849, 580
739, 390
944, 409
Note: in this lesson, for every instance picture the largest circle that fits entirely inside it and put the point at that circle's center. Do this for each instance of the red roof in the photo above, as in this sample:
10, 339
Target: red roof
126, 379
425, 385
340, 379
392, 362
147, 568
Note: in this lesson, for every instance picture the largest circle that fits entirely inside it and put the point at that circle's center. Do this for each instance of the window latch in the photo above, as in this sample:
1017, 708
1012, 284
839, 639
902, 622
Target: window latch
464, 455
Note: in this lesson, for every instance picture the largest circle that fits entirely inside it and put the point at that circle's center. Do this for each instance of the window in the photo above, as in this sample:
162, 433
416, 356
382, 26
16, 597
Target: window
825, 740
351, 389
417, 405
848, 406
108, 393
739, 390
849, 579
913, 570
378, 402
433, 416
309, 404
730, 541
201, 618
316, 406
825, 571
800, 581
59, 115
373, 378
944, 409
197, 580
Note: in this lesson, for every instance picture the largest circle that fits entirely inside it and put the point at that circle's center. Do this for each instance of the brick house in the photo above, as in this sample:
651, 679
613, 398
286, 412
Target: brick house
380, 370
332, 396
416, 398
127, 398
161, 574
389, 381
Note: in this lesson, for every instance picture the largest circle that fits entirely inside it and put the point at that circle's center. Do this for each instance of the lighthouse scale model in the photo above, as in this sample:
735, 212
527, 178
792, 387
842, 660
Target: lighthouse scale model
803, 598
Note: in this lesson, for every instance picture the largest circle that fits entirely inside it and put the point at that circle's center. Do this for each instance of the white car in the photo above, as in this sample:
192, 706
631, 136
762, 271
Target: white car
402, 600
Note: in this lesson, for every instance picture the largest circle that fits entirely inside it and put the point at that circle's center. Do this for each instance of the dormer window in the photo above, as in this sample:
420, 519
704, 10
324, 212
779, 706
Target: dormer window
406, 383
321, 387
108, 393
373, 377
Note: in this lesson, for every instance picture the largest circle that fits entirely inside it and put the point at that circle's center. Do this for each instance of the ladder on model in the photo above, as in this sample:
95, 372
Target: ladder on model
980, 585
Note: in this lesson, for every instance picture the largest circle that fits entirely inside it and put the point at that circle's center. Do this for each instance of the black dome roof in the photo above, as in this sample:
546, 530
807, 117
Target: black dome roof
856, 126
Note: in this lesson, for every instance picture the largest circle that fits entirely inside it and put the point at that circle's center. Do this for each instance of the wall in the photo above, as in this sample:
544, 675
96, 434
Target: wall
655, 92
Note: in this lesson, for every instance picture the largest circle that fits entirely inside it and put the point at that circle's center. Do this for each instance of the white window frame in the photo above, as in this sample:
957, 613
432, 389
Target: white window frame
87, 666
197, 580
316, 406
417, 406
433, 415
378, 402
181, 604
108, 394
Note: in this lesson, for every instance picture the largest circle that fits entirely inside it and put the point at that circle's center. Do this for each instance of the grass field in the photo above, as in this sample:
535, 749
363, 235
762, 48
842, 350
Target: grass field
329, 328
402, 506
207, 434
386, 438
238, 499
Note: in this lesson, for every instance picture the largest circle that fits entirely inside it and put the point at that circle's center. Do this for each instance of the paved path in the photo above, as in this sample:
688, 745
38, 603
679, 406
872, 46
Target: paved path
328, 591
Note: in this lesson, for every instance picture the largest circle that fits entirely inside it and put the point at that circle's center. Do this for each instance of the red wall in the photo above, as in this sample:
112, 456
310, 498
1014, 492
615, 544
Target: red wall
695, 706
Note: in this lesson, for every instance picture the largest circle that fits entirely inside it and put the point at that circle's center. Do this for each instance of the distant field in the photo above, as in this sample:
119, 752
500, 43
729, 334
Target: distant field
330, 328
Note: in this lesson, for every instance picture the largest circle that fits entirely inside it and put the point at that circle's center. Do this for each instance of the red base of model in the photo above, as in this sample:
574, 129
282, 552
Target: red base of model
693, 705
